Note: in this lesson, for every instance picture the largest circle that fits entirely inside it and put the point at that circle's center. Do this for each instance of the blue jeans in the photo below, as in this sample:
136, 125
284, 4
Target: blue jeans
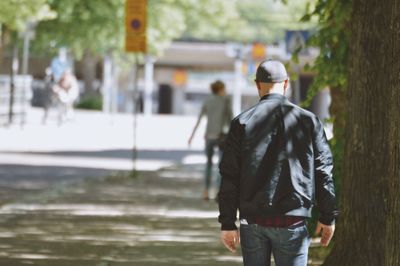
289, 246
211, 145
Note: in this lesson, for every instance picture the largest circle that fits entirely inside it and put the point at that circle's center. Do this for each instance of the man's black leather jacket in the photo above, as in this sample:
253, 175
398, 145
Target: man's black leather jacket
276, 162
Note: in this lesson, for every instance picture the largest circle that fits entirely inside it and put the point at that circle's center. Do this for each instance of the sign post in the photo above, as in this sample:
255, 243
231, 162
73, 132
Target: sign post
135, 25
135, 41
148, 85
296, 43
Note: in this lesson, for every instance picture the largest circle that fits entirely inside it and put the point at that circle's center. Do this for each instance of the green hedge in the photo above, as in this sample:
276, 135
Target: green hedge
90, 103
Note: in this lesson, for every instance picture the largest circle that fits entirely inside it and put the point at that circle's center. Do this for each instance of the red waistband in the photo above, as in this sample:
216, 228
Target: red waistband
277, 221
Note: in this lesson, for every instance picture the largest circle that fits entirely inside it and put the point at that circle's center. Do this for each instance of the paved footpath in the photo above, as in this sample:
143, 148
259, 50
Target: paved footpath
156, 218
64, 203
61, 202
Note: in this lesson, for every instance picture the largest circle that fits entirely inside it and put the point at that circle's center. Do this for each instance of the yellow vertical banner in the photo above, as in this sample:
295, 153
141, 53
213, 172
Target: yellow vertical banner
135, 25
258, 52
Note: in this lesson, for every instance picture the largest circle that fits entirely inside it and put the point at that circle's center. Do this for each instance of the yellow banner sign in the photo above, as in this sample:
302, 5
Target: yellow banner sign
180, 77
135, 25
135, 43
258, 51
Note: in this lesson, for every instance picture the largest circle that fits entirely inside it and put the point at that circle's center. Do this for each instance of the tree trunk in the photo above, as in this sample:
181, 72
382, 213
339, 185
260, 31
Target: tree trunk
393, 77
4, 41
89, 72
337, 108
368, 230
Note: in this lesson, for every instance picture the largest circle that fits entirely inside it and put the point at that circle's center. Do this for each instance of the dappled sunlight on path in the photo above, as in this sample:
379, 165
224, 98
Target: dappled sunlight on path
157, 218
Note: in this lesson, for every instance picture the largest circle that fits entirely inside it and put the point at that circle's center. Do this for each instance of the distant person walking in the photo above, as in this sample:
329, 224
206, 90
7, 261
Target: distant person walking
60, 64
217, 108
48, 94
276, 166
67, 92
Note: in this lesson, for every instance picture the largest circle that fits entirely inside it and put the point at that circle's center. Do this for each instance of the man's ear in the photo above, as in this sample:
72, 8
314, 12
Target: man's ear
258, 85
285, 85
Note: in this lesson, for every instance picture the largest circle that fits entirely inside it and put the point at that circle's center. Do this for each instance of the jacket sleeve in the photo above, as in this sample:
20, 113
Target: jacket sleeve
228, 196
324, 187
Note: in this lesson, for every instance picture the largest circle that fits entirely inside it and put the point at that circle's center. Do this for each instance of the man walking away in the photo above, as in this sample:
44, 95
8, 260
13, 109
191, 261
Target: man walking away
276, 166
217, 108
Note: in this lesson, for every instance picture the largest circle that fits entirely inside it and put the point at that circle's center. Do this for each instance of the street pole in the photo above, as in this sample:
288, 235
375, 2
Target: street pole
135, 110
14, 71
148, 85
25, 54
114, 89
107, 83
237, 101
25, 58
238, 52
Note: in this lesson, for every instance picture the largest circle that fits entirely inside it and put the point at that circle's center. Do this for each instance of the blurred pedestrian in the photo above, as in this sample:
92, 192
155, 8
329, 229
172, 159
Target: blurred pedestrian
217, 108
275, 167
67, 91
60, 64
48, 96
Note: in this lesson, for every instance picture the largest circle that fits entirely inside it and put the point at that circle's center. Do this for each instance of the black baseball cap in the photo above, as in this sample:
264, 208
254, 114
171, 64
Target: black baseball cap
271, 71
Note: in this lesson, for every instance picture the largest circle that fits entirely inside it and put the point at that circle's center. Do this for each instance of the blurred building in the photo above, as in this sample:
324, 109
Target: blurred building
183, 74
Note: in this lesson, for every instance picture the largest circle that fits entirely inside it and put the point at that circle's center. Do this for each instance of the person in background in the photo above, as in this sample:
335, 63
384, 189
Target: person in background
60, 64
48, 94
276, 166
67, 91
217, 108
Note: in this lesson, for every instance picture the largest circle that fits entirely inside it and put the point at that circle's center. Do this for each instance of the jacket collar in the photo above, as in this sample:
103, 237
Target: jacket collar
273, 96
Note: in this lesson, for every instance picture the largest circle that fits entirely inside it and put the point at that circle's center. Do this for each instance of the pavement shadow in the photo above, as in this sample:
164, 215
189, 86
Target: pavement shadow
19, 181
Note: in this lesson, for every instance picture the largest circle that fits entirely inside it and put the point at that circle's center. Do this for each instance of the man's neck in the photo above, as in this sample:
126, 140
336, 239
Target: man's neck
268, 88
271, 92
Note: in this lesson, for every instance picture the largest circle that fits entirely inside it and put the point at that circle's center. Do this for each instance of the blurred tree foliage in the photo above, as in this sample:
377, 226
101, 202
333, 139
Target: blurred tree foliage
259, 20
94, 26
332, 38
14, 14
202, 19
99, 25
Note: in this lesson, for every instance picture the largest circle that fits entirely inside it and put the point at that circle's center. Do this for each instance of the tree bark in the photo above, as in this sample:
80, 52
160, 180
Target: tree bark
4, 41
393, 209
337, 109
368, 230
89, 72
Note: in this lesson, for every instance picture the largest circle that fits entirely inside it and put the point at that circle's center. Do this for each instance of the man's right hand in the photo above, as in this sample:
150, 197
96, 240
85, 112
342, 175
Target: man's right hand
327, 233
230, 239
